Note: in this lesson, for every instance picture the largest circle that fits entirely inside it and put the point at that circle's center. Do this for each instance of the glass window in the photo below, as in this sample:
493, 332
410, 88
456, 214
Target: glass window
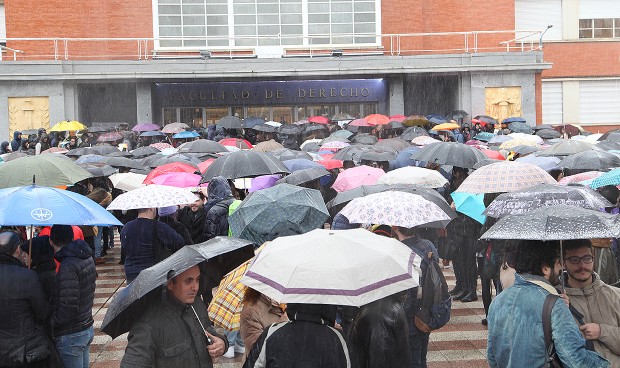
191, 116
303, 112
237, 111
282, 114
585, 23
170, 115
215, 114
324, 110
585, 33
599, 28
369, 108
603, 33
351, 109
259, 111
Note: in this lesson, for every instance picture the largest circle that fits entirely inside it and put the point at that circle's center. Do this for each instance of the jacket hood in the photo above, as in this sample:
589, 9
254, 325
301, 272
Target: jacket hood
15, 134
4, 145
218, 189
318, 313
591, 289
42, 251
77, 248
44, 136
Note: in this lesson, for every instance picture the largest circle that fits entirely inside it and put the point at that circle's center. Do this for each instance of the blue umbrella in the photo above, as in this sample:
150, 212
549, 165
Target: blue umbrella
513, 119
153, 133
300, 164
609, 178
404, 158
520, 127
35, 205
89, 159
252, 121
499, 139
471, 205
484, 136
186, 134
545, 163
437, 119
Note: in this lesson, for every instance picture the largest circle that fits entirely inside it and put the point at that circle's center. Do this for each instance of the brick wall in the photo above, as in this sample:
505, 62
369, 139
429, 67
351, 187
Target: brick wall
582, 59
75, 19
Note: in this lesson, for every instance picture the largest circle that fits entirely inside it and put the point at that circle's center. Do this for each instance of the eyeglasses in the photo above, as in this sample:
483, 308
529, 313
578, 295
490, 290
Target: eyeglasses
587, 259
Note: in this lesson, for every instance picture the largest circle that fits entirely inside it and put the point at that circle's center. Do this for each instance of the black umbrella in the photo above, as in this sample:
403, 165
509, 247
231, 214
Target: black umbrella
590, 160
140, 171
119, 154
396, 144
13, 156
486, 162
413, 132
487, 119
311, 147
524, 150
288, 154
520, 127
81, 152
265, 128
244, 164
352, 153
378, 155
86, 159
365, 139
110, 137
104, 150
611, 136
202, 146
542, 126
303, 176
608, 146
131, 302
192, 161
289, 129
548, 133
332, 138
147, 161
144, 151
252, 122
99, 169
314, 127
544, 195
230, 122
450, 153
567, 148
123, 162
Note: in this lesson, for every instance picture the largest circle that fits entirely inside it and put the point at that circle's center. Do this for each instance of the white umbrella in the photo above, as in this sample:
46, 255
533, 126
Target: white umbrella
343, 267
152, 196
127, 181
317, 141
414, 175
395, 209
273, 124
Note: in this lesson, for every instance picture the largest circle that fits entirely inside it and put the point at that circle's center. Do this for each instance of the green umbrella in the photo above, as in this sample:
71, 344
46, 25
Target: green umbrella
278, 211
47, 170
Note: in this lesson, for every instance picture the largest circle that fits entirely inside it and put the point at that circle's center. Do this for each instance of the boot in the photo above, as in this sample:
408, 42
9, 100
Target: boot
457, 289
464, 290
472, 283
469, 297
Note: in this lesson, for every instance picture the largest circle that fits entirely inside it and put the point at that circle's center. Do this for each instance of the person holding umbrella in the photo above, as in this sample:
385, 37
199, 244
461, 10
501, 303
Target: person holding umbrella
175, 332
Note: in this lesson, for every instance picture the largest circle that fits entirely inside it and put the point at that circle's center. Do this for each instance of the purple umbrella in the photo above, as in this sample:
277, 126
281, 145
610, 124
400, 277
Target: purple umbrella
263, 182
145, 127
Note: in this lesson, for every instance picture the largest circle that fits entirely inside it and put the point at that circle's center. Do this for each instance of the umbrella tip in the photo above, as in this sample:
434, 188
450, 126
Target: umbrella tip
33, 180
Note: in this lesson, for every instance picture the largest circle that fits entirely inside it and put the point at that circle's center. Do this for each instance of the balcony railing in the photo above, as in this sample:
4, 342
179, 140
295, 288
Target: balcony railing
30, 49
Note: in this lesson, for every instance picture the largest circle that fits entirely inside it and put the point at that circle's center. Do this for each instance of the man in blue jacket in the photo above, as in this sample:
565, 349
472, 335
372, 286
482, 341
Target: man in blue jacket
16, 143
72, 297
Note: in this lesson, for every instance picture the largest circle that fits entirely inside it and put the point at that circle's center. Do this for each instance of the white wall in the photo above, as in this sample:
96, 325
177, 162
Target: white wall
537, 14
552, 102
592, 9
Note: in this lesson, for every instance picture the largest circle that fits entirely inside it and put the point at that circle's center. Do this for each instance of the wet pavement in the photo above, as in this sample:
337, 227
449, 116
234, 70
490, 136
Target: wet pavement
461, 343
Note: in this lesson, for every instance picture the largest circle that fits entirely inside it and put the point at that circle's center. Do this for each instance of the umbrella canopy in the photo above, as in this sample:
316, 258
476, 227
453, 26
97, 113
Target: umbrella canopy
365, 139
304, 176
513, 119
120, 154
201, 146
415, 120
244, 164
203, 166
288, 154
378, 154
609, 178
509, 144
177, 179
282, 210
13, 156
99, 169
110, 137
486, 162
567, 148
300, 164
591, 160
359, 123
471, 205
289, 129
414, 176
446, 126
331, 164
545, 163
356, 176
262, 182
268, 146
123, 162
152, 133
548, 133
559, 222
499, 139
43, 206
352, 153
127, 181
318, 120
173, 167
265, 128
227, 303
342, 134
331, 267
230, 122
81, 152
377, 119
55, 150
395, 144
161, 145
581, 177
545, 195
520, 127
173, 128
423, 140
450, 153
152, 196
104, 150
91, 159
64, 126
145, 127
525, 150
253, 121
484, 136
437, 119
611, 136
144, 151
505, 176
484, 120
236, 142
176, 158
394, 209
129, 303
46, 170
186, 134
413, 132
492, 154
342, 116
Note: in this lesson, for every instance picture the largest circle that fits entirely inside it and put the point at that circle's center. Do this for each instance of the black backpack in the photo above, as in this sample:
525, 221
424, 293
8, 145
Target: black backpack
435, 303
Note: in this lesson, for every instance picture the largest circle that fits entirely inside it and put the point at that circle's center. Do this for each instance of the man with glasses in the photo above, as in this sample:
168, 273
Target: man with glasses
597, 303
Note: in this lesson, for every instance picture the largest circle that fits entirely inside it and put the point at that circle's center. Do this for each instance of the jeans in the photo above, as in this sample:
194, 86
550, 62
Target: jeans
418, 345
234, 337
74, 348
98, 242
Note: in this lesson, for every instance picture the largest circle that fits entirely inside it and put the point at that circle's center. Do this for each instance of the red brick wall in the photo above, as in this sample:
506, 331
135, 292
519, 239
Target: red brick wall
75, 19
424, 16
582, 59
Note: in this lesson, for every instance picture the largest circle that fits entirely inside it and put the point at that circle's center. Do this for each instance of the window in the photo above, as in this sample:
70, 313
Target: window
599, 28
249, 23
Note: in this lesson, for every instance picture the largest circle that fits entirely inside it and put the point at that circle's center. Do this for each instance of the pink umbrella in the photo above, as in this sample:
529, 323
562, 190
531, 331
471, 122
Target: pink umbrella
161, 146
360, 123
177, 179
334, 145
399, 118
580, 177
377, 119
318, 119
145, 127
331, 164
357, 176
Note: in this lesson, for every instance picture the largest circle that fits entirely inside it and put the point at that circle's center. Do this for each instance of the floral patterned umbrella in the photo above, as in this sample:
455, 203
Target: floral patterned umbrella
588, 175
152, 196
395, 209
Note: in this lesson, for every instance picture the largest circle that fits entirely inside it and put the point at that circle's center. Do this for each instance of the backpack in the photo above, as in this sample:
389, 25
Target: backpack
232, 208
436, 302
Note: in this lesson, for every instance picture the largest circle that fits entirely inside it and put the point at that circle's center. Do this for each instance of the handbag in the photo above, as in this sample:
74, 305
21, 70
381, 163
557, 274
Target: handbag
160, 251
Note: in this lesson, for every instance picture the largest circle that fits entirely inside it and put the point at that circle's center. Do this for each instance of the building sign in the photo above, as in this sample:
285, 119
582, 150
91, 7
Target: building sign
270, 93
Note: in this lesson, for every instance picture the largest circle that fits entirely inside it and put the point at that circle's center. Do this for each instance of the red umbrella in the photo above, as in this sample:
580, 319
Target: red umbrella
178, 179
493, 154
236, 142
481, 122
318, 120
168, 168
203, 166
399, 118
331, 164
360, 123
377, 119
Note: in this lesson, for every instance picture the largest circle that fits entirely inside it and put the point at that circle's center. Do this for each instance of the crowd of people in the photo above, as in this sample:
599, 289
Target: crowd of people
47, 283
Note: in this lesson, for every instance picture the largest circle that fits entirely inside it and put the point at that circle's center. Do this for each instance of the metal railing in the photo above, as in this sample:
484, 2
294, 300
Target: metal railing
313, 45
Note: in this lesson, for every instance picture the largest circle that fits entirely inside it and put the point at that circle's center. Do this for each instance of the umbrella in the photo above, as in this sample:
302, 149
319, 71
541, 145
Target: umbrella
567, 148
611, 136
469, 204
395, 209
331, 139
173, 128
123, 162
342, 134
104, 150
504, 176
145, 127
244, 164
43, 206
144, 151
578, 178
186, 134
252, 122
68, 125
609, 178
161, 145
203, 166
342, 116
318, 120
411, 175
492, 154
331, 164
267, 146
278, 211
486, 162
544, 195
173, 167
485, 119
177, 158
86, 159
450, 153
177, 179
545, 163
499, 139
13, 156
289, 129
423, 140
314, 127
365, 139
542, 126
393, 125
413, 132
446, 126
352, 153
227, 303
559, 222
513, 119
437, 119
415, 120
548, 133
377, 119
152, 133
356, 176
300, 164
81, 152
98, 169
45, 170
127, 181
378, 155
484, 136
236, 142
509, 144
520, 127
304, 176
55, 150
152, 196
359, 123
230, 122
591, 160
110, 137
274, 124
332, 267
129, 303
262, 182
287, 154
201, 146
524, 150
395, 144
119, 154
265, 128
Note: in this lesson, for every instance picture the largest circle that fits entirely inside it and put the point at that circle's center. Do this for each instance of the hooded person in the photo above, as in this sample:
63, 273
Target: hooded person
219, 198
16, 143
42, 145
166, 215
41, 261
5, 148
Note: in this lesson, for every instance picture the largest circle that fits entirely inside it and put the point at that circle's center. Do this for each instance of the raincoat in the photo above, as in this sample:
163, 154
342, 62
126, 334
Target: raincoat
219, 198
4, 148
16, 143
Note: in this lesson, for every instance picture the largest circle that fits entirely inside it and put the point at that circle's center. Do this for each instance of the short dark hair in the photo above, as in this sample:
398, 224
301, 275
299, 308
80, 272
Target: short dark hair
9, 241
407, 231
61, 235
532, 255
575, 244
610, 192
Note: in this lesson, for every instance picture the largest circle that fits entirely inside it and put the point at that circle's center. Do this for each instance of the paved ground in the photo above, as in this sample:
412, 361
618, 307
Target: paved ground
461, 343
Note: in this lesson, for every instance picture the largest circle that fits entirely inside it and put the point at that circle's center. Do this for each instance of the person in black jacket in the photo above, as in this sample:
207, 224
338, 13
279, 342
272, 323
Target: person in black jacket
72, 298
219, 199
166, 215
23, 309
41, 261
16, 143
194, 217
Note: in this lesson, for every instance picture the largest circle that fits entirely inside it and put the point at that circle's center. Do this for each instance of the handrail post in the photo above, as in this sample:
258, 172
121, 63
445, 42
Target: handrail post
399, 44
66, 44
139, 49
55, 49
466, 47
475, 42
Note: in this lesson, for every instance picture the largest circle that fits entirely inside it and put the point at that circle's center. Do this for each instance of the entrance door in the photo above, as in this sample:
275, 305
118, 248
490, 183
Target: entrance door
28, 113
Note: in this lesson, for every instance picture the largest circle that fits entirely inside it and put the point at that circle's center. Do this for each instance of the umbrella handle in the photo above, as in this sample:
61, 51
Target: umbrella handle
209, 341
